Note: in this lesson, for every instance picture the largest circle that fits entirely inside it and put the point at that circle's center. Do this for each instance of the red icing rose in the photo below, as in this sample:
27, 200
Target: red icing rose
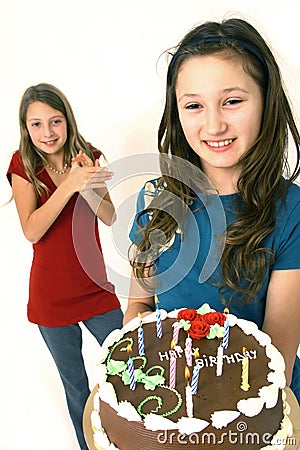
199, 329
187, 314
214, 317
199, 317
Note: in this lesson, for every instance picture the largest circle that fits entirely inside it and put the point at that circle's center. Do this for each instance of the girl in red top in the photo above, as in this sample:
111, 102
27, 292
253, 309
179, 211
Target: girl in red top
60, 190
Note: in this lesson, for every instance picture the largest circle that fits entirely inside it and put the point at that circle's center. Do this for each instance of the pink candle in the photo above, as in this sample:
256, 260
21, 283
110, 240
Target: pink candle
188, 351
175, 332
172, 381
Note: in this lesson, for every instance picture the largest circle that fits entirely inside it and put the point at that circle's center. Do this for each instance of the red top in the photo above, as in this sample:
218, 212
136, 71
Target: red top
68, 281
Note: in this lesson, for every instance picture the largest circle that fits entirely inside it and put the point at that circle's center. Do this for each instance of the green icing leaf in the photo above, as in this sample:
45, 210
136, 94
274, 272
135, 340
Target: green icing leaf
125, 378
139, 375
150, 382
205, 308
215, 331
115, 367
185, 324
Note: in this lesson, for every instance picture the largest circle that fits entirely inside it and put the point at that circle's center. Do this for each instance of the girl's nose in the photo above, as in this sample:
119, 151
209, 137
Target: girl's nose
215, 123
47, 131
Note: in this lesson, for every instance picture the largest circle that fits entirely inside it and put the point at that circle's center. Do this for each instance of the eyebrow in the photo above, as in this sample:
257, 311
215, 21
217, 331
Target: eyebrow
51, 118
225, 91
235, 88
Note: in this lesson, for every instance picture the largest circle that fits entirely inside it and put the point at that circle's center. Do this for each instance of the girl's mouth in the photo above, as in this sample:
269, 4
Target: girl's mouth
219, 144
50, 143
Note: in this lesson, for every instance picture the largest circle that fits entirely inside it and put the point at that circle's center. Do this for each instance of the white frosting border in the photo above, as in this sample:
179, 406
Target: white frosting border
101, 440
267, 395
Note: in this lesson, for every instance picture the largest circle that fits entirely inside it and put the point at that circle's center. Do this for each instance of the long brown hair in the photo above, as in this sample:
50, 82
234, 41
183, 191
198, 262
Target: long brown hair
261, 183
32, 157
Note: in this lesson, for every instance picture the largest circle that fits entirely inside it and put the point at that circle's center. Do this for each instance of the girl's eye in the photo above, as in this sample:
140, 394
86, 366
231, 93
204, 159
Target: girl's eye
35, 124
56, 121
193, 106
233, 101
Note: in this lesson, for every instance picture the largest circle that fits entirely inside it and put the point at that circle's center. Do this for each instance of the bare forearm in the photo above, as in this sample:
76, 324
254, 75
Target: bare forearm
135, 308
140, 301
101, 205
41, 219
281, 320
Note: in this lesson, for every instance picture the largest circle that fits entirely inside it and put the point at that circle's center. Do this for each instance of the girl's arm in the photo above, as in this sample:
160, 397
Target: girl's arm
35, 221
282, 315
98, 199
139, 301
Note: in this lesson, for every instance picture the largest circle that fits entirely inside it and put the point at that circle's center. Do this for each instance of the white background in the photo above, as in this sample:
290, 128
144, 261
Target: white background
103, 55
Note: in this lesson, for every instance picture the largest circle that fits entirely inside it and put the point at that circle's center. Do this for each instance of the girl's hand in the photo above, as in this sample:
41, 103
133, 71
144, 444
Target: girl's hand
85, 175
89, 180
82, 159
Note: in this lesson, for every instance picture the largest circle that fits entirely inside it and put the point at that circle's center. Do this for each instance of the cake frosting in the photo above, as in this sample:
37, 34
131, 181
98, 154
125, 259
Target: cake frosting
236, 400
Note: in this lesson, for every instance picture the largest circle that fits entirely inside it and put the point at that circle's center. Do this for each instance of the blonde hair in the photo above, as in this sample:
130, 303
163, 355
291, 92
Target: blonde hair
33, 158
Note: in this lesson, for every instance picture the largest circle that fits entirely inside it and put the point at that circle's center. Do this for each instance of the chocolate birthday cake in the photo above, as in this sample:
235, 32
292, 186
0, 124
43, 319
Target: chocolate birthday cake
192, 378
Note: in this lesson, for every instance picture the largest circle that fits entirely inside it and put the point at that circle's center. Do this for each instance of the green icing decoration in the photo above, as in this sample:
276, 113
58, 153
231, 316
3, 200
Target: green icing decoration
185, 324
204, 309
126, 378
161, 369
150, 382
123, 349
142, 358
114, 367
179, 401
160, 402
215, 331
148, 399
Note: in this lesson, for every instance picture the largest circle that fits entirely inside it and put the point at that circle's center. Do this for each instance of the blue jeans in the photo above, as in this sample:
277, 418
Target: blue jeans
295, 385
65, 345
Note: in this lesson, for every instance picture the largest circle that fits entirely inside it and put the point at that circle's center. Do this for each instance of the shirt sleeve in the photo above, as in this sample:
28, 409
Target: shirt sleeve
145, 197
135, 234
16, 166
288, 250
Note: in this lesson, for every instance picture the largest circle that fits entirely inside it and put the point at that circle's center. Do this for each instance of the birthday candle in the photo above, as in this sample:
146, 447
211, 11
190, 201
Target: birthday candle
130, 368
175, 332
158, 319
188, 351
220, 360
173, 358
196, 372
141, 344
188, 394
226, 331
245, 372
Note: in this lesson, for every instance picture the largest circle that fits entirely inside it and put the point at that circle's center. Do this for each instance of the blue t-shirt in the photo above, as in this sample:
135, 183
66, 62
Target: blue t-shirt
188, 268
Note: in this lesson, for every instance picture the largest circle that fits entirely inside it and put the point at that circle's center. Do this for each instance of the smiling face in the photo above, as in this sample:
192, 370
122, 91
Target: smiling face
47, 127
220, 109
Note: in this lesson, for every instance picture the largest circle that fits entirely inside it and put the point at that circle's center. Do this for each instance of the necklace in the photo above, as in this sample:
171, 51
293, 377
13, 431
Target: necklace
59, 172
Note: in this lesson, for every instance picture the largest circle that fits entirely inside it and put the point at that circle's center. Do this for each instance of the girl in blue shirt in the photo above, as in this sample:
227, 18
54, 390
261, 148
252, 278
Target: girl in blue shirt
222, 223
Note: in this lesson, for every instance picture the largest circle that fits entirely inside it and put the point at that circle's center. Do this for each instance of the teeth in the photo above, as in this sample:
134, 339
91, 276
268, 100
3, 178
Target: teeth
220, 143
